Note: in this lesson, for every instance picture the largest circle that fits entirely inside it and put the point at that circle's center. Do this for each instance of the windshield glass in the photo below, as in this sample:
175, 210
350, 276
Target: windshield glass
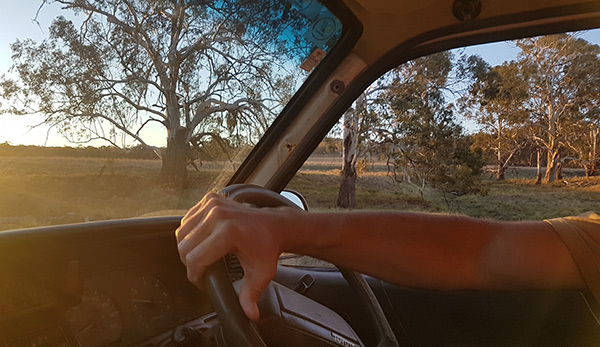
114, 109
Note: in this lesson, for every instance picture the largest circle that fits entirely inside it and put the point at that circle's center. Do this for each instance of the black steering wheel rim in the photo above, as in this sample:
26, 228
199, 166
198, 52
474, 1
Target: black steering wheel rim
238, 330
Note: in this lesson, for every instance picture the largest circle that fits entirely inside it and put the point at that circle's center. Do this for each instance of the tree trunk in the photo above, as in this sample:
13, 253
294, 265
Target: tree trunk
501, 167
174, 161
347, 193
590, 170
559, 170
551, 167
538, 176
592, 167
500, 173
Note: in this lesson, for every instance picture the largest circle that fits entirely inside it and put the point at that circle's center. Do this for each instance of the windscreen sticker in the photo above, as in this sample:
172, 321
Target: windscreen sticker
308, 8
322, 32
313, 59
323, 29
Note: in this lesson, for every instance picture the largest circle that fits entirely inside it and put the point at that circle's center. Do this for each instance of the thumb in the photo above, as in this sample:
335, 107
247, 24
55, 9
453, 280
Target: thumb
250, 292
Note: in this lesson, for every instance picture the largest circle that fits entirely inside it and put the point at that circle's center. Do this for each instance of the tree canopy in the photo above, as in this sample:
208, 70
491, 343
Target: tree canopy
495, 101
406, 117
203, 70
561, 72
422, 130
546, 101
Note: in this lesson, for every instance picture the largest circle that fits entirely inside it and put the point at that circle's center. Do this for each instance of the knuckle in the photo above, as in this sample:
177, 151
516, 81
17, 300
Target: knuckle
211, 199
182, 249
212, 195
207, 197
190, 260
188, 216
218, 212
179, 234
194, 273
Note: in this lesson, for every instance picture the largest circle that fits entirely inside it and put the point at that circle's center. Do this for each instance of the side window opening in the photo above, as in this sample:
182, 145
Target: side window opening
465, 132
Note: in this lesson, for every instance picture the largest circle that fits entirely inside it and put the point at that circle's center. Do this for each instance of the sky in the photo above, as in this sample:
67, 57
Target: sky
17, 22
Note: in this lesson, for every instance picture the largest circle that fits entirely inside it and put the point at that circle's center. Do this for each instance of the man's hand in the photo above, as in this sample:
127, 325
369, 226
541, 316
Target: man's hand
217, 226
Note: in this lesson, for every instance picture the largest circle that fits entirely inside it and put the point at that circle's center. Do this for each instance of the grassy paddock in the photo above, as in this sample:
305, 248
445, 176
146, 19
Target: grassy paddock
516, 198
45, 191
37, 191
521, 199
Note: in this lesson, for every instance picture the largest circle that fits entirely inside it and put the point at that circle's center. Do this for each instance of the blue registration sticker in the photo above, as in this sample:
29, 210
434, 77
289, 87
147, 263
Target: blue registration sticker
323, 29
308, 8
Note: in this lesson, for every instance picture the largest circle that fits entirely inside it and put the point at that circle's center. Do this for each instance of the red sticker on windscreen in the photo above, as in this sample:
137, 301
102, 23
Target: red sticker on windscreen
313, 59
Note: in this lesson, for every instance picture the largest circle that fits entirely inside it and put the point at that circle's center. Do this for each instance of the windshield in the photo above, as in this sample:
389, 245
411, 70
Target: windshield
113, 110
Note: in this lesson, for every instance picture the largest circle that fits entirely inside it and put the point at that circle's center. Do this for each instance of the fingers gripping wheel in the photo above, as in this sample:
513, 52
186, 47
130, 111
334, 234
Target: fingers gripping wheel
238, 330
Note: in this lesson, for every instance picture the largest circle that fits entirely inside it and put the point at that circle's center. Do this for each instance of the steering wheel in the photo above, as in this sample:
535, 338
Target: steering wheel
238, 330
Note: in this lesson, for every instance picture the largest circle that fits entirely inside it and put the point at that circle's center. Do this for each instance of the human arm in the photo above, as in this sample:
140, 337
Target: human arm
409, 249
436, 251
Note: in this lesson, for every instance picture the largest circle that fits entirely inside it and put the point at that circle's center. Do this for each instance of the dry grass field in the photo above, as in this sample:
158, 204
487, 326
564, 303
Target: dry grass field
516, 198
38, 191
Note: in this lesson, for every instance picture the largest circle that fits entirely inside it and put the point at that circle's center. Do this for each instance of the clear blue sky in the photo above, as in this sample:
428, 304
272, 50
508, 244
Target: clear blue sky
16, 21
499, 52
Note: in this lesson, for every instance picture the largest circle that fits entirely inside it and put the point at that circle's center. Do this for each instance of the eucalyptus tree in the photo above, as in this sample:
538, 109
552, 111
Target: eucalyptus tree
357, 129
585, 140
557, 69
419, 129
495, 101
584, 146
404, 117
196, 68
350, 137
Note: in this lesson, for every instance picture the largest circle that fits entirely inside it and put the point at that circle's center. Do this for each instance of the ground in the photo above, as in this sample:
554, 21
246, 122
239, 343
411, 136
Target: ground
56, 190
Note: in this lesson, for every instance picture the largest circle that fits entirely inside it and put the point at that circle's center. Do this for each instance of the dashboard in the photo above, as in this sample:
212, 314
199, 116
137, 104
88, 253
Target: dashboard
121, 283
65, 288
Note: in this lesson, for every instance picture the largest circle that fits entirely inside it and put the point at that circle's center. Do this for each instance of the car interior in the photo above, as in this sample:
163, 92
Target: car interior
121, 282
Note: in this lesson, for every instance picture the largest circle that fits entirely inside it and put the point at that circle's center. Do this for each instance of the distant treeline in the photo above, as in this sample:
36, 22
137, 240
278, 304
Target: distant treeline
330, 145
8, 150
526, 157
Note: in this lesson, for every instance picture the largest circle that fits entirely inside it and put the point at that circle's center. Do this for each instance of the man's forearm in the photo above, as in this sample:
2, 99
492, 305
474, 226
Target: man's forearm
436, 251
